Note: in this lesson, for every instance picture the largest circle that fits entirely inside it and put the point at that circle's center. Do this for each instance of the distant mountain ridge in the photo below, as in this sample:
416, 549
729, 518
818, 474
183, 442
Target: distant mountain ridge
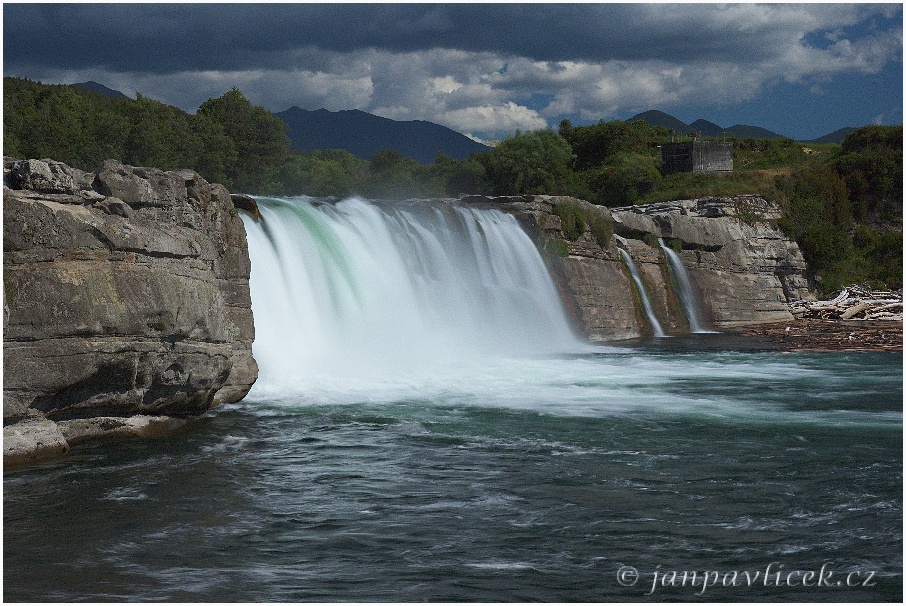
741, 131
362, 134
835, 137
100, 88
704, 127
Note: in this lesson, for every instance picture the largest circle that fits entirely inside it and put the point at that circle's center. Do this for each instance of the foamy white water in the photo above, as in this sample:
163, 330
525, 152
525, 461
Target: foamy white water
686, 294
356, 293
643, 294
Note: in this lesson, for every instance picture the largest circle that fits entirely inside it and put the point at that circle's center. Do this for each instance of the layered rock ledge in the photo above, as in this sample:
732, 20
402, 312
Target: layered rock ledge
743, 269
126, 296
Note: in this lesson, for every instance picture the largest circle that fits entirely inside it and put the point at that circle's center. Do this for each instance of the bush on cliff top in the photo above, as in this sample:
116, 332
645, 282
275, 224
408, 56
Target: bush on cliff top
575, 220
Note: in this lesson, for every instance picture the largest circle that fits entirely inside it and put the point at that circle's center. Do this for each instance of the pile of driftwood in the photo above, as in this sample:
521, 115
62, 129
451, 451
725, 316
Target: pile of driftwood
853, 303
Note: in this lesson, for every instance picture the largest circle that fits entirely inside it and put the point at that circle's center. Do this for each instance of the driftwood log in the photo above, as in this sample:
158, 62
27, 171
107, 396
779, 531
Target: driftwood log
853, 303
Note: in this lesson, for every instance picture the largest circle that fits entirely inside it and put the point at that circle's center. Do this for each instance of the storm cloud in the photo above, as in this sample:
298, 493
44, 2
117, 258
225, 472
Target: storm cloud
485, 69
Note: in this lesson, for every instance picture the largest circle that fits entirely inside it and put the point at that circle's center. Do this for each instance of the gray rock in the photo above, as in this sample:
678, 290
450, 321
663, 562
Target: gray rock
79, 431
743, 268
247, 204
115, 206
134, 304
32, 441
46, 176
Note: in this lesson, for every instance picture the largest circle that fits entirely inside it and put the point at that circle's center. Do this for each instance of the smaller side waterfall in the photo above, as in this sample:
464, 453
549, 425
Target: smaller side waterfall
684, 285
652, 319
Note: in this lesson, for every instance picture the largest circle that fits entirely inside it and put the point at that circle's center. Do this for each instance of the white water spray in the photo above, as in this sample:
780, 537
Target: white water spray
686, 294
643, 294
355, 290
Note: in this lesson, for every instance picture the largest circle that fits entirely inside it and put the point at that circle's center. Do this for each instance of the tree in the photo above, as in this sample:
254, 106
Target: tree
258, 137
871, 165
314, 174
595, 144
391, 175
623, 178
160, 135
536, 162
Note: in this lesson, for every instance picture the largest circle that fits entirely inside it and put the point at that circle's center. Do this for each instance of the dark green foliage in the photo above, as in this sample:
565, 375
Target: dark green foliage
159, 135
536, 162
466, 176
616, 162
759, 154
817, 214
228, 141
827, 205
594, 145
623, 178
258, 137
67, 124
320, 173
871, 163
576, 220
392, 175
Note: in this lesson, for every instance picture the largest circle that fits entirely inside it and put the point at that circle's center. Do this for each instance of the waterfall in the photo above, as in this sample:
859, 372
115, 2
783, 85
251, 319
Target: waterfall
684, 285
357, 288
643, 294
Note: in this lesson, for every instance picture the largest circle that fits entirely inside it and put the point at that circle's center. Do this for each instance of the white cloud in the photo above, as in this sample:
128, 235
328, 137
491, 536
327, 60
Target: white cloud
499, 119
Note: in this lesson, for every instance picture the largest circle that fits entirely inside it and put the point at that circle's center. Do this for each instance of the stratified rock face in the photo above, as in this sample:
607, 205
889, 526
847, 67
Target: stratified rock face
593, 282
125, 293
744, 270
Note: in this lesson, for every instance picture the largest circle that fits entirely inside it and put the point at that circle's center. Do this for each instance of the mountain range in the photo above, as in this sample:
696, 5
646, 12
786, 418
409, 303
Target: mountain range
100, 88
362, 134
740, 131
704, 127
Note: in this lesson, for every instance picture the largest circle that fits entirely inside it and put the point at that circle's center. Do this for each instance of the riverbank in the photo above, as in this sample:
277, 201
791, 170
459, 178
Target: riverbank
809, 334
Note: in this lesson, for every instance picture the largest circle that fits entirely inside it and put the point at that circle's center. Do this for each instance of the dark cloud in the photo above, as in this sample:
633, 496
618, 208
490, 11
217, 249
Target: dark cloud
481, 68
165, 38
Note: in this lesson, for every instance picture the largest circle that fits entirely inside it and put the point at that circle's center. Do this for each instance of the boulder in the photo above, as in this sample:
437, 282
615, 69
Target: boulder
44, 176
32, 441
247, 204
133, 302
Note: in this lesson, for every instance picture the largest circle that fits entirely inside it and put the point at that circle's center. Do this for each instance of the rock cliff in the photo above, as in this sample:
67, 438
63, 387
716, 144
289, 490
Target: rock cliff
742, 268
125, 293
745, 271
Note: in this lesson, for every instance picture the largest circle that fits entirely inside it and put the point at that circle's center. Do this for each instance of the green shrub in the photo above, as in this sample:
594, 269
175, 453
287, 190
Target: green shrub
536, 162
576, 220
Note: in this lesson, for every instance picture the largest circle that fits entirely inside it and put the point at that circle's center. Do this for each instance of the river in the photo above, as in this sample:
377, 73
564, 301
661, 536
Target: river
460, 452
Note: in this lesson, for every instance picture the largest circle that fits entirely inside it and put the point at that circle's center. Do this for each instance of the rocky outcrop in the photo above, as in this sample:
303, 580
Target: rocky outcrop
592, 279
742, 268
745, 271
125, 293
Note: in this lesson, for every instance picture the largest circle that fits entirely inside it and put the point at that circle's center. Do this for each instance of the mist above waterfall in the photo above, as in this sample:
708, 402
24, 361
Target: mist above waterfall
356, 289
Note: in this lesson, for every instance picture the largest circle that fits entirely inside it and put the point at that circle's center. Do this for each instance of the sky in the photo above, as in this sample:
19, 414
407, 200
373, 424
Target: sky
486, 70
